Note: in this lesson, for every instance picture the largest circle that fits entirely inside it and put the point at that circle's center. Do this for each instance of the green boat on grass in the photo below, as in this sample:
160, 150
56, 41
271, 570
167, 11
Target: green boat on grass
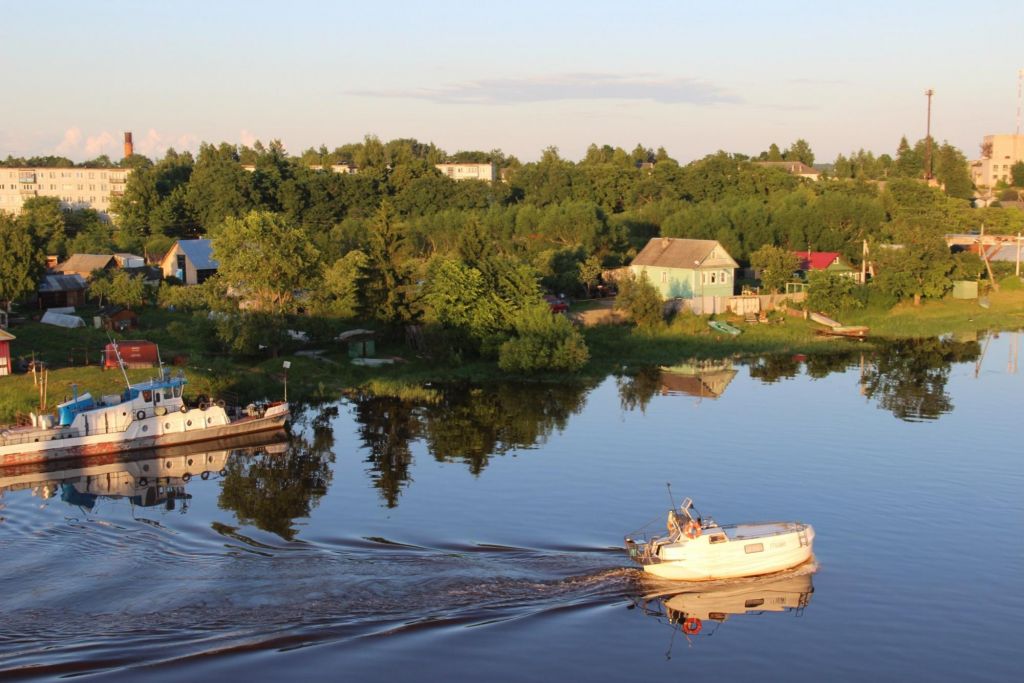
719, 326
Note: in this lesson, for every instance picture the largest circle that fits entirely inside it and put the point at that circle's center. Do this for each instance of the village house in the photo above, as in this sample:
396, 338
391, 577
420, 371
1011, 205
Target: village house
831, 261
797, 168
686, 268
191, 261
86, 264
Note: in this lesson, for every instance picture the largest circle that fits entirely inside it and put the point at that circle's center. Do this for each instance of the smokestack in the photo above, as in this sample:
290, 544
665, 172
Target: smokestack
128, 147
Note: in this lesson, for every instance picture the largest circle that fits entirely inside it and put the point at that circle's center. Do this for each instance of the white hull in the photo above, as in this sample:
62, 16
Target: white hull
732, 552
115, 430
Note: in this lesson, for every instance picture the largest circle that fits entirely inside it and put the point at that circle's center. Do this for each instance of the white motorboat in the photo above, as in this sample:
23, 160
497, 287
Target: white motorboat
696, 548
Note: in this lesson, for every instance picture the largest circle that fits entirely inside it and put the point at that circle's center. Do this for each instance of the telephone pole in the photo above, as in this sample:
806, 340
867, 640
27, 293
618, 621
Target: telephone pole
928, 138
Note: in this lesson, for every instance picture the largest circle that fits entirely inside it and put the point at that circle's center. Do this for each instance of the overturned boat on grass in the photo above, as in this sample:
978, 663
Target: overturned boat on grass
146, 415
696, 548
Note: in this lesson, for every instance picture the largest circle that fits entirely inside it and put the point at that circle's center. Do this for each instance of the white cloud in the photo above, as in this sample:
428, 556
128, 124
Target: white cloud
71, 141
78, 145
580, 86
103, 143
248, 139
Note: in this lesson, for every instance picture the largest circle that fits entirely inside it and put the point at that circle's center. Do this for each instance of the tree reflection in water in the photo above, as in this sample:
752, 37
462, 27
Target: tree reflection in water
271, 490
909, 376
465, 425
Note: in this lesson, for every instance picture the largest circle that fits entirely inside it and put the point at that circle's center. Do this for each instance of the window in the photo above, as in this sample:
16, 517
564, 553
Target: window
147, 395
712, 277
753, 548
664, 277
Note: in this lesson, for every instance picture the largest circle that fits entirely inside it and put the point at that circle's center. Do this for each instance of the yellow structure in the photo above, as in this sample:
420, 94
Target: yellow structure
485, 172
998, 155
77, 188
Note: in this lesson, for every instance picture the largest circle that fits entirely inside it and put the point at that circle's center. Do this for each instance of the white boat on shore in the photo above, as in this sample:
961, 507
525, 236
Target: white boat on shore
698, 549
147, 415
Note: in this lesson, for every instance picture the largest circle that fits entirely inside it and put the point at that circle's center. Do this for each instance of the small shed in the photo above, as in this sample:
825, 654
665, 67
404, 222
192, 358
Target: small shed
135, 353
118, 318
58, 291
5, 352
965, 289
360, 343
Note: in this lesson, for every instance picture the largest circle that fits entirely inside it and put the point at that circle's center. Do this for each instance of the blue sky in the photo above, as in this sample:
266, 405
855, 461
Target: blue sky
693, 77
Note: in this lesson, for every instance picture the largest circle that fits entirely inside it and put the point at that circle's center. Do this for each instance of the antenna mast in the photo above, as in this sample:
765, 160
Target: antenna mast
928, 137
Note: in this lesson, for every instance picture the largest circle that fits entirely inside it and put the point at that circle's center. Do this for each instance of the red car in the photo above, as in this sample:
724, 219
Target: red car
557, 304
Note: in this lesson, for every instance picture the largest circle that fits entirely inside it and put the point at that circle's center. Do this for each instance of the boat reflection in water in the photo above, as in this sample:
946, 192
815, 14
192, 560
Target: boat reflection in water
698, 378
144, 478
700, 609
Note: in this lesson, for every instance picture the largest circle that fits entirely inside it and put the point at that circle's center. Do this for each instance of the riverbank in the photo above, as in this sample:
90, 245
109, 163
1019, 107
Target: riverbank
329, 374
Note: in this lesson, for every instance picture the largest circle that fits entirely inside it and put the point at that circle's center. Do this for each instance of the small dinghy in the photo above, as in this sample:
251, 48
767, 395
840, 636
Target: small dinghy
697, 549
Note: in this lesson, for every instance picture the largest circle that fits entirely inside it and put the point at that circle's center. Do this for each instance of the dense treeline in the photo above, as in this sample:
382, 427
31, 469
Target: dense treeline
401, 242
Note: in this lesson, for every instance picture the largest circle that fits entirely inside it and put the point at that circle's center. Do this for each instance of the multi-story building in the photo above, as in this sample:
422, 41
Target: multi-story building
77, 188
485, 172
998, 155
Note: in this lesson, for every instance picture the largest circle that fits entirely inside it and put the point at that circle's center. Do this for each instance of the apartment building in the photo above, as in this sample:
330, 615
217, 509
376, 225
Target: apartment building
77, 188
998, 155
485, 172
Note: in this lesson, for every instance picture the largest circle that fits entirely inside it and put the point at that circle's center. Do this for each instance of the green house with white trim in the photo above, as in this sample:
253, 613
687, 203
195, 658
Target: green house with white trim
685, 268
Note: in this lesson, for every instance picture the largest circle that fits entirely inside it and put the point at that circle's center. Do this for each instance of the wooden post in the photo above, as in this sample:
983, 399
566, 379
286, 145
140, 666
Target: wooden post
984, 257
1017, 269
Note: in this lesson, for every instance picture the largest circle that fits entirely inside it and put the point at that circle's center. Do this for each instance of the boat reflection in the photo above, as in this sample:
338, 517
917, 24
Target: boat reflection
700, 378
699, 610
144, 478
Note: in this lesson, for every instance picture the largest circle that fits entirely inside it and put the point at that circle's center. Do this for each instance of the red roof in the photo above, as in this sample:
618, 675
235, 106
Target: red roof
816, 260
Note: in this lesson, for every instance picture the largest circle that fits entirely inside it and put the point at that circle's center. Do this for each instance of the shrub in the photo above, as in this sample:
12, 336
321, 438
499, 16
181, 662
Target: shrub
641, 300
543, 341
831, 293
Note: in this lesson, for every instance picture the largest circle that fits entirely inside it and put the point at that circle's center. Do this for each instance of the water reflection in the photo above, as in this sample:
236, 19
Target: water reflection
271, 488
467, 425
699, 611
908, 377
145, 479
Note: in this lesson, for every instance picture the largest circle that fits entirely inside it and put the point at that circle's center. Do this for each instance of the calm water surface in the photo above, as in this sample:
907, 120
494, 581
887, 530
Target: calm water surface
479, 536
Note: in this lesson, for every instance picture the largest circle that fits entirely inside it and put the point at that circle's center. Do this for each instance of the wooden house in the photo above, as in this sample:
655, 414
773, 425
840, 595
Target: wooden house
5, 352
60, 291
685, 268
86, 264
191, 261
831, 261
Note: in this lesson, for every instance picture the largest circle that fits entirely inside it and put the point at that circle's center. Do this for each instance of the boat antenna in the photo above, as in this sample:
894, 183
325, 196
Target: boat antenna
671, 500
120, 362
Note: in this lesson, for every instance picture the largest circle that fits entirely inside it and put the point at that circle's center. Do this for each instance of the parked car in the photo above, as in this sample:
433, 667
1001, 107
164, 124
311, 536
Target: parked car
557, 304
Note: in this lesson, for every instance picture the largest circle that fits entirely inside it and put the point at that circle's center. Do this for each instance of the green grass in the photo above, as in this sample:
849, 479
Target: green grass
612, 347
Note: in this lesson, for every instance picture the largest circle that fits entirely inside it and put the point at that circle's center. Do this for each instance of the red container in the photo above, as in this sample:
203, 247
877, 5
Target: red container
135, 354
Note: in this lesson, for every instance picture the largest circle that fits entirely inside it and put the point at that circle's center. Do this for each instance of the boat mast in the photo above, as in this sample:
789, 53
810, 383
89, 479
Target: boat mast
120, 362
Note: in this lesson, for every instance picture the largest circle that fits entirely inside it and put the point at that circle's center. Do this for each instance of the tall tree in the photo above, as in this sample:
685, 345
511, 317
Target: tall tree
21, 262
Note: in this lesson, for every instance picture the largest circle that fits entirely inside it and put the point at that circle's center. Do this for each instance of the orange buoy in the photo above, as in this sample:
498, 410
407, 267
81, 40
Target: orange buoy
692, 626
692, 529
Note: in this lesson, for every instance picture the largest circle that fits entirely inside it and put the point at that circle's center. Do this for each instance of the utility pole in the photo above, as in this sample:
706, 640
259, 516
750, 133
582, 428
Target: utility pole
1020, 78
928, 138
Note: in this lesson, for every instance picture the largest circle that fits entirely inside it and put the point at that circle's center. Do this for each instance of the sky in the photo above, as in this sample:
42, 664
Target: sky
693, 77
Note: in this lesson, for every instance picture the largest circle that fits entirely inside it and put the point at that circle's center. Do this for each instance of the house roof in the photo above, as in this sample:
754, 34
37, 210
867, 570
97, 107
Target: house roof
86, 263
671, 252
53, 282
199, 252
6, 336
816, 260
794, 167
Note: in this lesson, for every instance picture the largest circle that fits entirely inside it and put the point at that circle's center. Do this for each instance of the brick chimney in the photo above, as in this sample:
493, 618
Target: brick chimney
128, 147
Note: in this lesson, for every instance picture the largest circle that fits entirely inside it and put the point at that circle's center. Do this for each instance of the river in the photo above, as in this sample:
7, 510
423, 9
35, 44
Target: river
478, 536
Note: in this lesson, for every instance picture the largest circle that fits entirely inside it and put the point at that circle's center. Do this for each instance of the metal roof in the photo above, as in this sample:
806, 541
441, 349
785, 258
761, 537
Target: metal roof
61, 283
199, 252
86, 263
670, 252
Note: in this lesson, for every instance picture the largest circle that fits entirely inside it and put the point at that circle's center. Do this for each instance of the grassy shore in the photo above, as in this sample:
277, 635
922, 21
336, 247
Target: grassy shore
330, 375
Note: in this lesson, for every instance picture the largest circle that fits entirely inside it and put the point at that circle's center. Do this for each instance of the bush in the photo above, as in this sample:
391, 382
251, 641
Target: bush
543, 341
831, 293
641, 300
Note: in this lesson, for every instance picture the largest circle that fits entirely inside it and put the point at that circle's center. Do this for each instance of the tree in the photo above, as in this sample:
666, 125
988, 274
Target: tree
800, 151
831, 293
43, 219
951, 170
126, 290
1017, 174
343, 282
389, 295
777, 266
918, 267
266, 260
21, 262
638, 297
543, 341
